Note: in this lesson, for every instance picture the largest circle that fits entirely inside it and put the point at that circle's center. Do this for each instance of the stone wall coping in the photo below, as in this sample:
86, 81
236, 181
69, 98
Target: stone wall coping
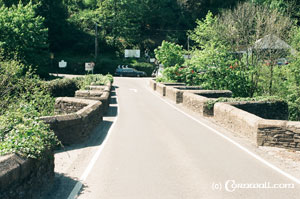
250, 118
209, 91
153, 80
22, 177
248, 102
104, 88
264, 123
92, 94
13, 168
171, 84
293, 124
285, 124
91, 105
152, 84
199, 92
160, 84
192, 95
97, 93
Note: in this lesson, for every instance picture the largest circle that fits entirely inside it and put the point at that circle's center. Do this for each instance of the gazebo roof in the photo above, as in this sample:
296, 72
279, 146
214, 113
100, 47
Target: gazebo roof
271, 42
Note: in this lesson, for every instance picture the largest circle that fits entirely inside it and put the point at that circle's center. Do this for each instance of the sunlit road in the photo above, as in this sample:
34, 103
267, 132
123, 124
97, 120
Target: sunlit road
154, 151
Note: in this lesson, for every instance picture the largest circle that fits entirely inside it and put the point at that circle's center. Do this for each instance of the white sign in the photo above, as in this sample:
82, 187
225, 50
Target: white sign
132, 53
152, 60
187, 56
89, 66
62, 64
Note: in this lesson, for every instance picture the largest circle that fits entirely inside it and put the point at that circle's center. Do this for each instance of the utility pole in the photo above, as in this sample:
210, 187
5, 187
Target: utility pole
96, 42
188, 43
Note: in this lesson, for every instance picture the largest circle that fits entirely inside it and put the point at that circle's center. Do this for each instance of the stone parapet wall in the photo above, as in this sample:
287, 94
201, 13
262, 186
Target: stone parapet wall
196, 103
25, 178
279, 133
98, 95
258, 121
214, 93
174, 94
152, 84
188, 88
237, 120
67, 107
172, 84
75, 127
104, 88
195, 100
277, 110
161, 89
262, 132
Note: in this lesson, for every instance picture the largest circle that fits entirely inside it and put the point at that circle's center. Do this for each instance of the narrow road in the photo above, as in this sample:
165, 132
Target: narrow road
154, 151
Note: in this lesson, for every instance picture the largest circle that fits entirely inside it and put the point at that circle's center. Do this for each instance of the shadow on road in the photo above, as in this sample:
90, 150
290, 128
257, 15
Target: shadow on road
99, 134
63, 186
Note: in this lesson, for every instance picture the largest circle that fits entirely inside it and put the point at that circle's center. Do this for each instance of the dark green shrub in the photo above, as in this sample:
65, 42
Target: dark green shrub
76, 64
22, 132
62, 87
210, 103
17, 85
94, 80
107, 65
144, 66
23, 34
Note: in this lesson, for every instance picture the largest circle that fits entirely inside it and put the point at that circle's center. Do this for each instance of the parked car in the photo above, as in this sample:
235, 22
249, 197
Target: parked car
129, 72
282, 61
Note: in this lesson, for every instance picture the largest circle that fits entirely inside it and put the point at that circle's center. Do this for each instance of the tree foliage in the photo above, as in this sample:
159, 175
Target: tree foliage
169, 54
22, 33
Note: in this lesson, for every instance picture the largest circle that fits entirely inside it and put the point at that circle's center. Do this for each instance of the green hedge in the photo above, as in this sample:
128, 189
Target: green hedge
144, 66
22, 132
210, 103
106, 64
94, 80
62, 87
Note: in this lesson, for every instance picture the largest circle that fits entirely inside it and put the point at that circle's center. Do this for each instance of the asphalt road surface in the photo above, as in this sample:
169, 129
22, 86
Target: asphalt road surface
154, 151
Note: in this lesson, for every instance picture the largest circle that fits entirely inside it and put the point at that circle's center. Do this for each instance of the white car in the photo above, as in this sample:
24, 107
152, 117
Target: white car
282, 61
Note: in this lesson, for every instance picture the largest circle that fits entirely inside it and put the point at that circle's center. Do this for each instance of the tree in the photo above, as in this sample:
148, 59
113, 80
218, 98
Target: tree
169, 54
22, 33
240, 29
206, 31
199, 8
248, 23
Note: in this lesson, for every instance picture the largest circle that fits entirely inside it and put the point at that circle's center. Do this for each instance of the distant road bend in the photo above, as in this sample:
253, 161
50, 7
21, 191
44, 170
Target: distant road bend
154, 151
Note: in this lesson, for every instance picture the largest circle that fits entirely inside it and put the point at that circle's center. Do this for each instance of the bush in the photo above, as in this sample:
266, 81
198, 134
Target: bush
210, 103
187, 75
62, 87
94, 80
76, 64
169, 54
144, 66
22, 132
22, 34
18, 85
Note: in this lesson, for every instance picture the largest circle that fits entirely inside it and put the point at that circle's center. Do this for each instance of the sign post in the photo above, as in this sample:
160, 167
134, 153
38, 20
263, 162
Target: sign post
132, 53
89, 66
62, 64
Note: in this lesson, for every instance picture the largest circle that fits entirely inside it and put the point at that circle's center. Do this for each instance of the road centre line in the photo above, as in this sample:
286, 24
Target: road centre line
134, 90
92, 163
257, 157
